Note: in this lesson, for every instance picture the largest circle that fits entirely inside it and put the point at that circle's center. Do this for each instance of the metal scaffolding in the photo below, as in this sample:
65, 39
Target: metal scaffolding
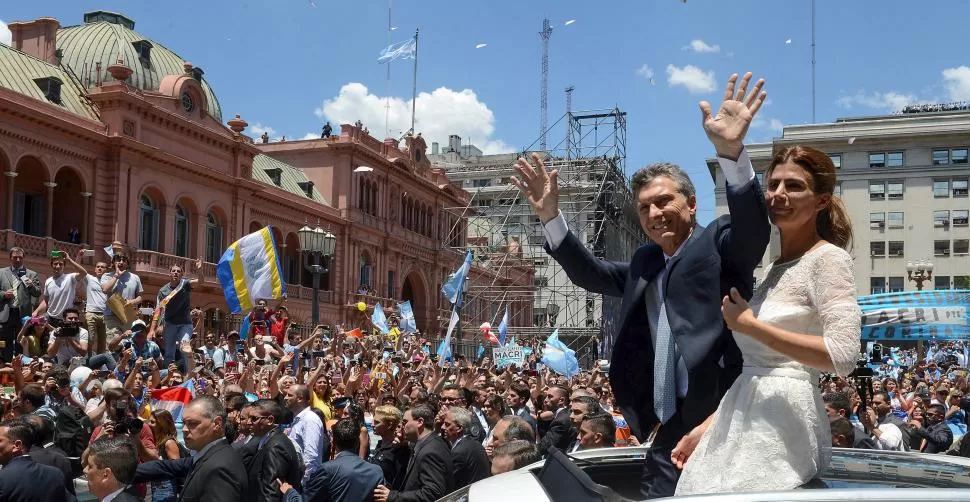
597, 203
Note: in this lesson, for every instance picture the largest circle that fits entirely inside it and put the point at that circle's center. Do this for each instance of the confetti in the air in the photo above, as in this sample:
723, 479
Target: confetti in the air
571, 21
363, 169
788, 41
312, 3
852, 140
479, 46
393, 28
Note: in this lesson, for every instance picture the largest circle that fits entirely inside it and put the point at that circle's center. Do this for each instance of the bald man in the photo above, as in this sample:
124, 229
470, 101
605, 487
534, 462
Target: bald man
307, 429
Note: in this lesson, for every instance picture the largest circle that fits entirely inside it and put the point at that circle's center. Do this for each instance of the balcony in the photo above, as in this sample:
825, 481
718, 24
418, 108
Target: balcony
36, 247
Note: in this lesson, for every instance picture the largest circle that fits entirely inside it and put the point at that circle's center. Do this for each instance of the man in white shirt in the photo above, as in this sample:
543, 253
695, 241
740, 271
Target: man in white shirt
885, 435
60, 289
63, 345
94, 309
127, 284
307, 429
110, 467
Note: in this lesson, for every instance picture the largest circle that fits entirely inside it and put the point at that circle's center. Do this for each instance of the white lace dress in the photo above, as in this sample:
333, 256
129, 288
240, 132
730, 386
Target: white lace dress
770, 431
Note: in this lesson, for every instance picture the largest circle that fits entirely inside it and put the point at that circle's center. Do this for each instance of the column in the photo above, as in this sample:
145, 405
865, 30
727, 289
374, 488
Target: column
85, 224
10, 196
49, 232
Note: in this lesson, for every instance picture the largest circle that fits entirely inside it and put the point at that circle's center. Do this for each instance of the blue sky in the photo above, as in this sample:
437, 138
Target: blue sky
287, 65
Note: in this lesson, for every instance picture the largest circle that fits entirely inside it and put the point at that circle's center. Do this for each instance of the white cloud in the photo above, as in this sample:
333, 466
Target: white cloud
645, 72
696, 80
439, 114
776, 125
702, 47
258, 129
5, 36
880, 100
311, 135
957, 82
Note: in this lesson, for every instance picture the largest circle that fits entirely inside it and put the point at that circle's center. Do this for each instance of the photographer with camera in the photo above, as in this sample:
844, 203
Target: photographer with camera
260, 319
120, 419
70, 340
134, 345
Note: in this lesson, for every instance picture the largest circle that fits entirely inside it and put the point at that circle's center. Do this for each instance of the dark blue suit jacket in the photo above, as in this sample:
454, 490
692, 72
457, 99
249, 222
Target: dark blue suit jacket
346, 477
23, 480
714, 259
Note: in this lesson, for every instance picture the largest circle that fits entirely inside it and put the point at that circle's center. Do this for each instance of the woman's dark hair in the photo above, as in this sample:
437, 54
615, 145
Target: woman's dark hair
833, 222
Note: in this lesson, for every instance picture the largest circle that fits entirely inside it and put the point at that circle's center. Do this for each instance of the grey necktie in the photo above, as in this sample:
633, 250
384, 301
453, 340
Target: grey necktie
664, 367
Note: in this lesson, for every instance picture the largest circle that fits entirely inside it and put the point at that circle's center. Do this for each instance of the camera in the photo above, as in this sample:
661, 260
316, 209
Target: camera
125, 424
67, 330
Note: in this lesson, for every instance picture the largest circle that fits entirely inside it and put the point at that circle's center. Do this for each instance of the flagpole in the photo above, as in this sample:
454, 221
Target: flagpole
387, 87
414, 87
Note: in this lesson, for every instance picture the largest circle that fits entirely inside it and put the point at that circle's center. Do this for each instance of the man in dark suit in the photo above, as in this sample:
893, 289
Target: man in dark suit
45, 452
346, 477
19, 286
467, 455
22, 479
109, 467
560, 433
674, 356
215, 473
430, 475
275, 456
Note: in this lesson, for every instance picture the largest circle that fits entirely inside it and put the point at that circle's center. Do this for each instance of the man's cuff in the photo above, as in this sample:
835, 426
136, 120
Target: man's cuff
555, 231
739, 172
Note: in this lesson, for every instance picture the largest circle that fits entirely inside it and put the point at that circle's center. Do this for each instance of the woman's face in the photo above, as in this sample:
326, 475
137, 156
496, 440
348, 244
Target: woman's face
917, 413
792, 203
877, 386
153, 424
890, 385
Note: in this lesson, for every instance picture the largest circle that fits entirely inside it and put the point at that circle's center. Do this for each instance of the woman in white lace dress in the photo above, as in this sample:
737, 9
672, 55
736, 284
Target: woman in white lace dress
770, 431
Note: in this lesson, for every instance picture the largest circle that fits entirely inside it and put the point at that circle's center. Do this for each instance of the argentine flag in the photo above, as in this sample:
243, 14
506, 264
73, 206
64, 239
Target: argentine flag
250, 270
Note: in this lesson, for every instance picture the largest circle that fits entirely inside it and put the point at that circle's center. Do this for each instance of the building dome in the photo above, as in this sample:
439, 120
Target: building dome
106, 36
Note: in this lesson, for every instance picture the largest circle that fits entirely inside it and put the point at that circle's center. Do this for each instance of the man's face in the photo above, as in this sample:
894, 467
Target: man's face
101, 481
877, 386
290, 398
933, 415
412, 427
577, 413
512, 400
72, 318
502, 464
832, 412
176, 274
120, 262
17, 259
666, 215
498, 434
100, 268
198, 430
57, 266
489, 391
552, 401
244, 426
452, 397
260, 421
210, 339
176, 379
588, 438
450, 427
881, 406
9, 448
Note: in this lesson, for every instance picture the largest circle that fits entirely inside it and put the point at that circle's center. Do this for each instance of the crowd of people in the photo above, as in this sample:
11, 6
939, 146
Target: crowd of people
276, 413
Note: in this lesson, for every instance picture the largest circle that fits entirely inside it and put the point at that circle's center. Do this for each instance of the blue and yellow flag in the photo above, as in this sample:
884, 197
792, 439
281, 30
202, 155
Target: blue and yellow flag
250, 270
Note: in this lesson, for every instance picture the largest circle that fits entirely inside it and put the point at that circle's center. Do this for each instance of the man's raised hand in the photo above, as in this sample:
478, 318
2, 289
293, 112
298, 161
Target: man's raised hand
728, 127
540, 187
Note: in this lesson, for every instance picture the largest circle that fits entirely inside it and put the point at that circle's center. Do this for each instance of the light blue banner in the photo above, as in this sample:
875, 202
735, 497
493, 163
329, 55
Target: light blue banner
916, 315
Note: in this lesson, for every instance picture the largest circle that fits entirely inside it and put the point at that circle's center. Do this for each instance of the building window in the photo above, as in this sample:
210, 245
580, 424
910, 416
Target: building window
877, 191
941, 248
837, 190
896, 248
51, 87
181, 232
941, 188
877, 285
364, 271
895, 219
961, 282
959, 188
895, 190
958, 156
941, 219
877, 248
148, 233
896, 284
390, 284
960, 217
961, 246
836, 160
213, 238
894, 159
941, 157
481, 183
540, 281
877, 160
941, 282
877, 221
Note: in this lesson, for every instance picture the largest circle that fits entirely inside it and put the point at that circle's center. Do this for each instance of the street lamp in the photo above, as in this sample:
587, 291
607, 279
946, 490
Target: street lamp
918, 272
318, 244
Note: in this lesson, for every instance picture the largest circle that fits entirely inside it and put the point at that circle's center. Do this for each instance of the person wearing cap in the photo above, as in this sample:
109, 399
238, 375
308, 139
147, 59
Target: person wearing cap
136, 340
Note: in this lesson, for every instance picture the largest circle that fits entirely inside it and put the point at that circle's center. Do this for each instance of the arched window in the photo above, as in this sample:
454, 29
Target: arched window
365, 271
148, 233
213, 238
181, 231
